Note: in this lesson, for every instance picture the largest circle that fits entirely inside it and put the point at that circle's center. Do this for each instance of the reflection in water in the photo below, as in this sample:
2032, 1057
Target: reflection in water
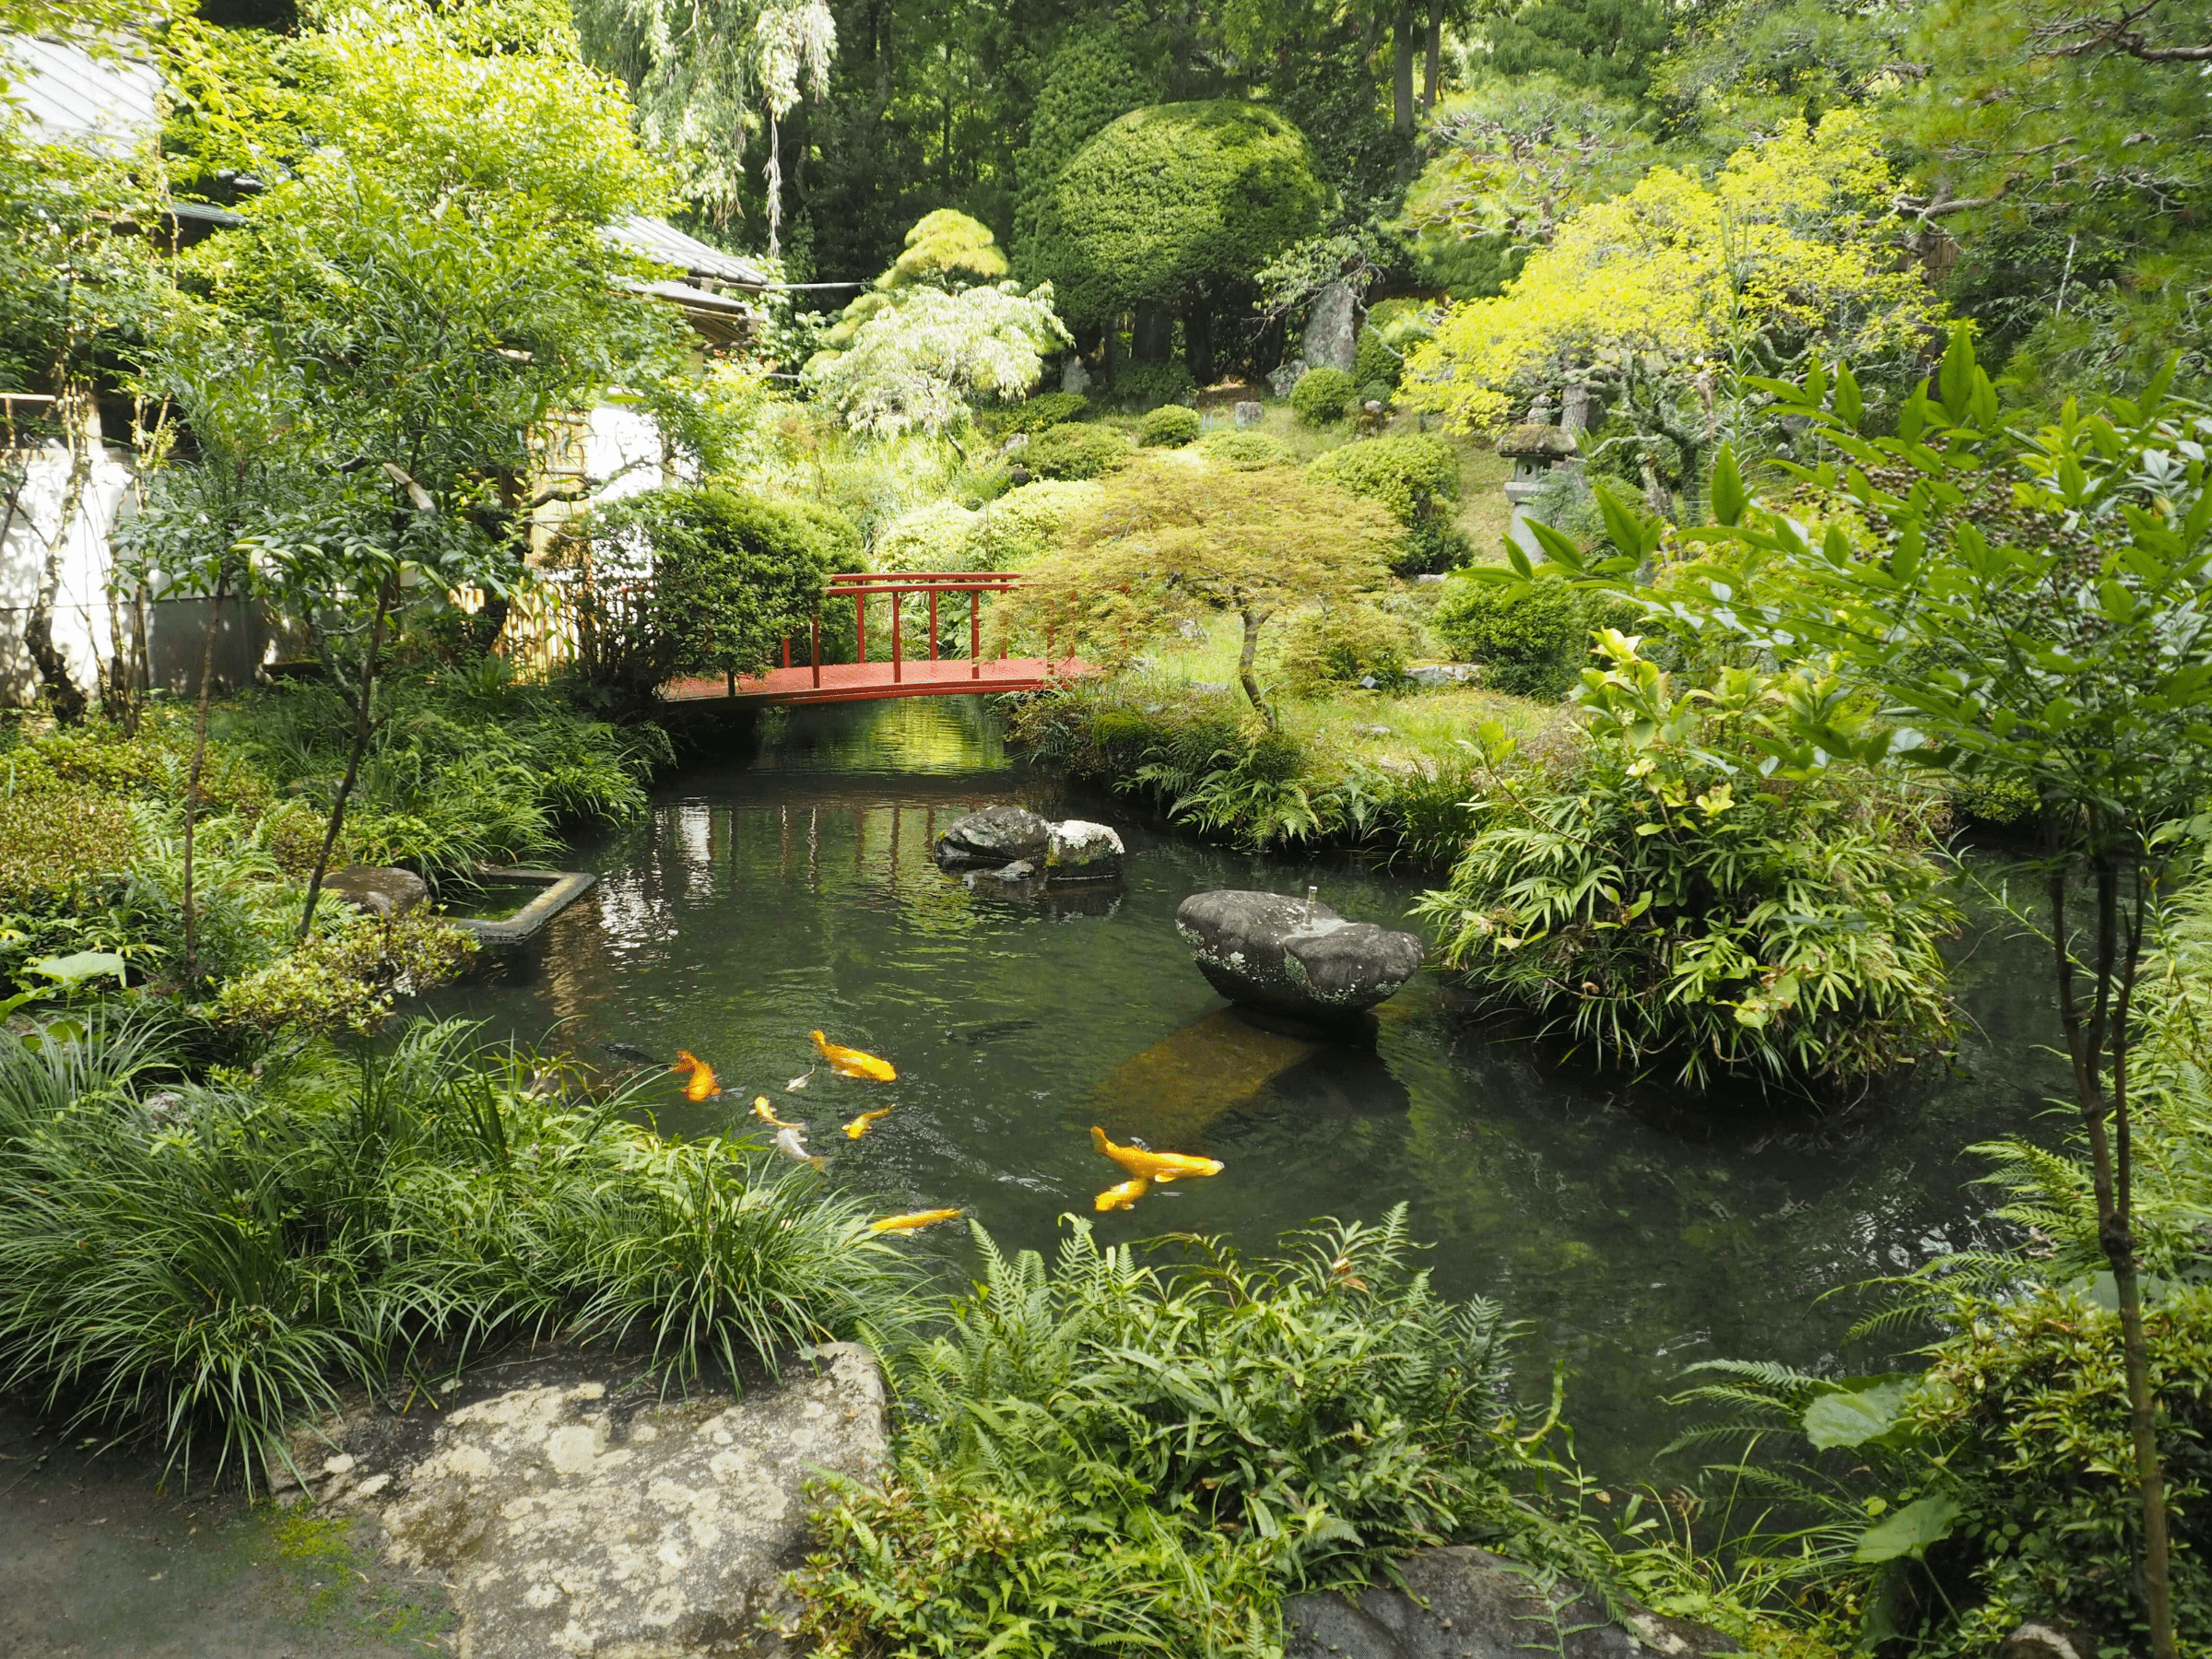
793, 889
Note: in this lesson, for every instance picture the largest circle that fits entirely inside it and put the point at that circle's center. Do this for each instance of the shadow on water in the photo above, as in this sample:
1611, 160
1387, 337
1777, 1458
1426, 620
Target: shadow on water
1632, 1233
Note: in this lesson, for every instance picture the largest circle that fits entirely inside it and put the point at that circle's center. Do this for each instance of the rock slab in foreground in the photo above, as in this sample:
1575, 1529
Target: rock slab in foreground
1270, 951
997, 835
1468, 1604
568, 1525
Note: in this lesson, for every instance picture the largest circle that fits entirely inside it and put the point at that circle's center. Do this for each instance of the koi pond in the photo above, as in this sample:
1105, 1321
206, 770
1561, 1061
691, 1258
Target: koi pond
1632, 1233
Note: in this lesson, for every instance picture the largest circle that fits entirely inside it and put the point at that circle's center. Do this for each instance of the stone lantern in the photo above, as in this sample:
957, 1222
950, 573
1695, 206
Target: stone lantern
1533, 448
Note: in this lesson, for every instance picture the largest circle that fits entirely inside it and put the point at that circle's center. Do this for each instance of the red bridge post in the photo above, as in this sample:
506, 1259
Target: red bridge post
898, 667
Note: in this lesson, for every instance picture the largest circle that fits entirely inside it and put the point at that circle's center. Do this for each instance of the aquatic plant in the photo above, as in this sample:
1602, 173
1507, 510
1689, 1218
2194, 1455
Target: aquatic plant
1100, 1455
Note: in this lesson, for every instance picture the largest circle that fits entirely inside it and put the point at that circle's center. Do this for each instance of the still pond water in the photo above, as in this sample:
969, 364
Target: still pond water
1632, 1233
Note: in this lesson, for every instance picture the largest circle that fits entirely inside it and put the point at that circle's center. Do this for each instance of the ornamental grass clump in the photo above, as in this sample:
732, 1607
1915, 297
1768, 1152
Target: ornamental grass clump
1100, 1456
1678, 903
204, 1265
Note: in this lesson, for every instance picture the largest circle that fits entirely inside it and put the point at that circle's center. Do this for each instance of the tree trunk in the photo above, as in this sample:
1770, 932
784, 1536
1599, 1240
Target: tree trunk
191, 781
2111, 1155
363, 723
61, 693
1401, 70
1198, 339
1153, 338
1432, 67
1254, 621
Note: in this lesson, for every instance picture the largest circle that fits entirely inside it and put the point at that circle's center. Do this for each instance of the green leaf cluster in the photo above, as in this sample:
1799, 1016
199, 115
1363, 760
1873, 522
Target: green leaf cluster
1416, 476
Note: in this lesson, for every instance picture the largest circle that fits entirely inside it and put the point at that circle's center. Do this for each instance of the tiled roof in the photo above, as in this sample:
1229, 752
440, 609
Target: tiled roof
658, 240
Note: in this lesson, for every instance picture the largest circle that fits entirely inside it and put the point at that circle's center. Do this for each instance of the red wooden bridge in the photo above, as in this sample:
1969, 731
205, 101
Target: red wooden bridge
814, 681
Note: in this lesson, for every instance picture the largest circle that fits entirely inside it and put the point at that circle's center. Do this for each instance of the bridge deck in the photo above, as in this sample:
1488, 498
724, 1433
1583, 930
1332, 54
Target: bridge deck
863, 682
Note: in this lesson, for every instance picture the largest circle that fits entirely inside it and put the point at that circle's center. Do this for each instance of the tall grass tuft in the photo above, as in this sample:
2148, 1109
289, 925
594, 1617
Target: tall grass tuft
207, 1265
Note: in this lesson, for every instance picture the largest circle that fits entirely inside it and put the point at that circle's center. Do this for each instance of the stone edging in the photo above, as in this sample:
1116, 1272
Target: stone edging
563, 888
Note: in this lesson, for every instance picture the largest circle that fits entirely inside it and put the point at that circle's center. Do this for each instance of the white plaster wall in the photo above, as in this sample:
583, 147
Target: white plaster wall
80, 616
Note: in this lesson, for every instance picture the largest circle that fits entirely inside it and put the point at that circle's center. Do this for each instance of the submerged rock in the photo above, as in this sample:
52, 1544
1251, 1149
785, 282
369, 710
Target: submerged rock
381, 889
1462, 1603
1083, 852
997, 835
1286, 954
572, 1518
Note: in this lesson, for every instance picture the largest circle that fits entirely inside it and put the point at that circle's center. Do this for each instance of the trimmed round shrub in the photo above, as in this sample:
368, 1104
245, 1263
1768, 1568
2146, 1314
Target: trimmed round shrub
1374, 392
1244, 450
1374, 363
1039, 414
1077, 452
1321, 396
934, 537
1416, 476
1090, 79
1146, 385
1166, 197
1169, 427
1533, 645
1021, 524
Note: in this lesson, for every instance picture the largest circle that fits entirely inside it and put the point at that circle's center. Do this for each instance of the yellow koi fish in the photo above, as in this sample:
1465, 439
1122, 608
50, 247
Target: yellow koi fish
703, 1086
866, 1121
1162, 1166
852, 1062
911, 1223
767, 1114
1125, 1196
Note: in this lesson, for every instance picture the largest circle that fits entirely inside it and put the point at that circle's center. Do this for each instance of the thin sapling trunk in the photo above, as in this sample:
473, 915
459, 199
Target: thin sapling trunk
2104, 1029
363, 725
1254, 620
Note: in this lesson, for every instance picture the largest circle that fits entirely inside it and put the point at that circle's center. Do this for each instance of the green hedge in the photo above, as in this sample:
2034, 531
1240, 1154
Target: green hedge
1077, 452
1321, 396
1169, 427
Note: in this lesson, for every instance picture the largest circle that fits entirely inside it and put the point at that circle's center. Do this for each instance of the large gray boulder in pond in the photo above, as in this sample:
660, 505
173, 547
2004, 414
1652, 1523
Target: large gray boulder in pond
1296, 958
1083, 852
1462, 1603
997, 835
571, 1511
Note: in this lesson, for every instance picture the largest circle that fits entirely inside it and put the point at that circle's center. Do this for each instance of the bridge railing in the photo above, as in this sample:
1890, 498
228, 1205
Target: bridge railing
934, 586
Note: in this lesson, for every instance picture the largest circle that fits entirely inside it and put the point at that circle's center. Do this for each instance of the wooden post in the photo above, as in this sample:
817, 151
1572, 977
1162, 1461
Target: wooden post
933, 621
975, 633
898, 671
814, 651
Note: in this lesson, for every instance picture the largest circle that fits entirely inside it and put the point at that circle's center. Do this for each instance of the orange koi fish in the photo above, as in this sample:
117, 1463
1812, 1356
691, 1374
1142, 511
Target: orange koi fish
767, 1114
866, 1121
702, 1086
1125, 1196
910, 1223
1162, 1166
852, 1062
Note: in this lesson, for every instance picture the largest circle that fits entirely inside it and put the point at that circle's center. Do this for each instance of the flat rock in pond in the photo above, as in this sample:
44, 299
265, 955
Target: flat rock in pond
572, 1519
381, 889
1083, 852
997, 835
1270, 951
1468, 1604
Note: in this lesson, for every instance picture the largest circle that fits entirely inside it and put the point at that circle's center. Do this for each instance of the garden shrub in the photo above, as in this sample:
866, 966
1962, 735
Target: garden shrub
1103, 1457
1533, 642
935, 537
1672, 901
1347, 645
1169, 427
1019, 526
1242, 450
1374, 363
349, 976
58, 844
1150, 385
1416, 476
1168, 197
1052, 409
1321, 396
1078, 451
1372, 391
